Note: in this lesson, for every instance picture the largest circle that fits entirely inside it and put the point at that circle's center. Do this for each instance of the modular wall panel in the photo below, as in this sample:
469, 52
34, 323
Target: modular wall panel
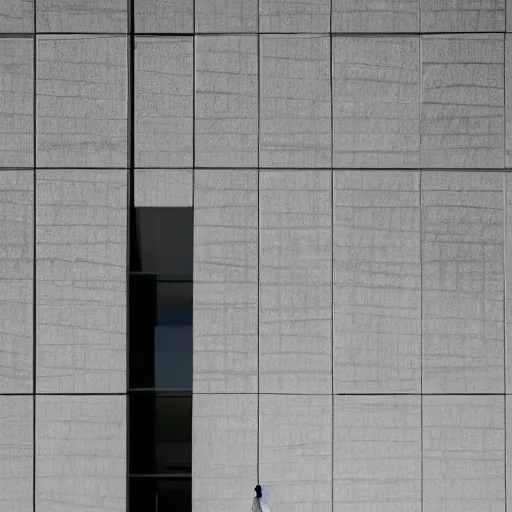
163, 102
295, 282
296, 452
508, 284
16, 274
462, 101
80, 454
376, 102
508, 98
16, 102
218, 16
307, 16
295, 101
81, 281
463, 454
163, 187
226, 107
81, 91
377, 282
16, 16
16, 454
377, 453
226, 281
168, 16
224, 452
462, 291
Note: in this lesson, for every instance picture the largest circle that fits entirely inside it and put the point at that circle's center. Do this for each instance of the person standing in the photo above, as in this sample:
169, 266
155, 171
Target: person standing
257, 504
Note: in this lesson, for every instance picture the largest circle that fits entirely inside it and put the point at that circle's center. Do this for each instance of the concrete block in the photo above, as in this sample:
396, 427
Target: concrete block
164, 16
226, 281
226, 110
377, 282
164, 99
463, 453
508, 277
220, 16
307, 16
376, 102
81, 101
16, 274
163, 187
508, 98
80, 453
295, 282
462, 282
16, 16
295, 101
377, 453
462, 101
16, 102
296, 452
81, 281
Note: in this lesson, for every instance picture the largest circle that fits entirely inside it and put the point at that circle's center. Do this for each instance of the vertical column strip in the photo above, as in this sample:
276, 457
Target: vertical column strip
258, 246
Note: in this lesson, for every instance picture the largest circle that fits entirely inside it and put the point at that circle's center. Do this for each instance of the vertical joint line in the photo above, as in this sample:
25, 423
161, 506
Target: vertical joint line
193, 100
505, 201
258, 249
421, 337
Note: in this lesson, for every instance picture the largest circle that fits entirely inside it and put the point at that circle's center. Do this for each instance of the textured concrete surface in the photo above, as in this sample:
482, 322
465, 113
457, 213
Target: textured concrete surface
226, 101
164, 16
218, 16
508, 98
81, 281
226, 281
164, 98
163, 187
16, 16
80, 453
307, 16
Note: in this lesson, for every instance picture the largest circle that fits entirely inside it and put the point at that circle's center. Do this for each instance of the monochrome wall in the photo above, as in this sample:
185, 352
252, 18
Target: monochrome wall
348, 165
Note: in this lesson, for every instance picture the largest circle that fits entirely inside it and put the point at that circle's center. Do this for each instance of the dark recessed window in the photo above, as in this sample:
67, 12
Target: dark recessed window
161, 494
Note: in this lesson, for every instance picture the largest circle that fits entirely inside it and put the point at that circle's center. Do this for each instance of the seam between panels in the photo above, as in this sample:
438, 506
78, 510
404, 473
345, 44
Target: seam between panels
505, 199
193, 102
258, 66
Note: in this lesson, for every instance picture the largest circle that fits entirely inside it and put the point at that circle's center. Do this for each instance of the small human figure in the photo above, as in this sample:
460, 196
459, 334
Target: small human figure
257, 504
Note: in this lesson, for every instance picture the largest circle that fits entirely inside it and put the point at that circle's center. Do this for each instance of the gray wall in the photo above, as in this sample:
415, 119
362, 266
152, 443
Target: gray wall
348, 165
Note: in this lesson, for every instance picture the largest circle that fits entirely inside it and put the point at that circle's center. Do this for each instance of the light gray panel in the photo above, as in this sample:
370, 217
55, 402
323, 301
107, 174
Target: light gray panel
462, 282
377, 282
375, 16
16, 454
16, 102
81, 101
163, 102
295, 282
224, 452
163, 187
16, 16
508, 287
308, 16
377, 453
296, 452
81, 281
226, 16
226, 110
463, 454
508, 97
164, 15
81, 15
462, 101
462, 15
80, 453
376, 102
295, 101
508, 453
226, 281
16, 272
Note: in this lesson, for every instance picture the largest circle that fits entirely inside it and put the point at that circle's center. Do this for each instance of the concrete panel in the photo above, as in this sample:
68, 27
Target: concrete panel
462, 292
307, 16
375, 16
377, 282
81, 101
226, 16
508, 98
81, 281
226, 110
462, 15
16, 102
462, 101
508, 277
376, 102
80, 453
226, 282
508, 453
164, 16
16, 273
16, 16
16, 454
163, 102
296, 452
81, 15
295, 102
224, 452
295, 282
377, 453
463, 453
163, 187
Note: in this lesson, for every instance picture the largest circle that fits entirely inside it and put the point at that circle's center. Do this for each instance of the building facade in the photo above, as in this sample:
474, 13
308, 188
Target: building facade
255, 241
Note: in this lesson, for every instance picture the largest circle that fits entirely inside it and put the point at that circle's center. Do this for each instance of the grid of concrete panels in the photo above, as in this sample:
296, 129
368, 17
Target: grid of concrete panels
347, 161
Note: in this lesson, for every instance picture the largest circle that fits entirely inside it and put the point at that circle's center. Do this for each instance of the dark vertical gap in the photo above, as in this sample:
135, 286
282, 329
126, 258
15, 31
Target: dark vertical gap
505, 208
193, 103
421, 336
258, 249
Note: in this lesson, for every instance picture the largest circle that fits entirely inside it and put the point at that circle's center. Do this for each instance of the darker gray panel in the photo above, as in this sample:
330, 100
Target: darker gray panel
16, 16
307, 16
169, 16
220, 16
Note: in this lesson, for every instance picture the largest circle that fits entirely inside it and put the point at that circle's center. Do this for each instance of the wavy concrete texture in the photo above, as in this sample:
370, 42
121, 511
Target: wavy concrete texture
348, 162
